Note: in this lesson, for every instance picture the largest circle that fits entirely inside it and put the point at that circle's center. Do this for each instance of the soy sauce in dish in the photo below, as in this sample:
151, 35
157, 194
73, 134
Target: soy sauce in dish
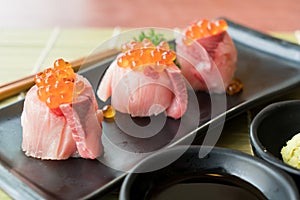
211, 186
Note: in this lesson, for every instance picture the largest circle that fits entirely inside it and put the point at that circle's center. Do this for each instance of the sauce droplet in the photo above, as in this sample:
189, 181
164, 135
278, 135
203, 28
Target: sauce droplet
234, 87
108, 111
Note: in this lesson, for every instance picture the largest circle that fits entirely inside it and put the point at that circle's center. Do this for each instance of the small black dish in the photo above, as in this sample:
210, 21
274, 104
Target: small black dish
271, 128
221, 174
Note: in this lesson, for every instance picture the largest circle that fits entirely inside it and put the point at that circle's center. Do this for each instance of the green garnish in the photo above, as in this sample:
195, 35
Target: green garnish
155, 38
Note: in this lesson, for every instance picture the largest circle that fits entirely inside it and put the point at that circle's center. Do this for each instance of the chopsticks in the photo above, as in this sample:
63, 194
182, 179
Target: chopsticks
23, 84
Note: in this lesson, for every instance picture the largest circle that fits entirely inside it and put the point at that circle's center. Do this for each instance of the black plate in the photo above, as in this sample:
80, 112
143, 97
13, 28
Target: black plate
267, 67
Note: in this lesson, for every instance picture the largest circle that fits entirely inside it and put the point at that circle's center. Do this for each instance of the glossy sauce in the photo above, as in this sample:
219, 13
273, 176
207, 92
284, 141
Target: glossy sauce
208, 187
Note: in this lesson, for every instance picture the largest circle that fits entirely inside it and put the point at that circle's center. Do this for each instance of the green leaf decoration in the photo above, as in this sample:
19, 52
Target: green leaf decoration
155, 38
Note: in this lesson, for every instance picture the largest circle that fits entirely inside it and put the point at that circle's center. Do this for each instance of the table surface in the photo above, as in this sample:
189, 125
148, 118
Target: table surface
34, 33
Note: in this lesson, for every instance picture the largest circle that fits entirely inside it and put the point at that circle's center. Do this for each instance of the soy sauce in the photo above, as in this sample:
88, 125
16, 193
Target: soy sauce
212, 186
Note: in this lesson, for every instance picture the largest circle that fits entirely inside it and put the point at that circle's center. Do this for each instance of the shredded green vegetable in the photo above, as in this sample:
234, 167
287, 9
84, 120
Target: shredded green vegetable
155, 38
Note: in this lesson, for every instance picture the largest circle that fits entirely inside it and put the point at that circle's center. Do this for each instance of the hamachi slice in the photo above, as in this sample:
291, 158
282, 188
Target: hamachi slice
145, 92
179, 102
199, 56
71, 130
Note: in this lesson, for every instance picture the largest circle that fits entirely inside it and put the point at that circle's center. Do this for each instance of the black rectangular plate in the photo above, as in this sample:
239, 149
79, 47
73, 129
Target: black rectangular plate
268, 67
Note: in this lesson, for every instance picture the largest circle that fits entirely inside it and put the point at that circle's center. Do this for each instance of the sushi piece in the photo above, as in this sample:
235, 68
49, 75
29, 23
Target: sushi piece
60, 118
144, 81
206, 45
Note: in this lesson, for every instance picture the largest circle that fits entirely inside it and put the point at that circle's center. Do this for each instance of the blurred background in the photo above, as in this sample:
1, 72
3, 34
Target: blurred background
264, 15
33, 33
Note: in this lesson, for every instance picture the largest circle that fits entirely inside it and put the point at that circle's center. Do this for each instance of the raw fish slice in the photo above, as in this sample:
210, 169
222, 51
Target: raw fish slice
144, 81
82, 117
45, 134
199, 56
194, 61
223, 53
144, 93
179, 103
60, 133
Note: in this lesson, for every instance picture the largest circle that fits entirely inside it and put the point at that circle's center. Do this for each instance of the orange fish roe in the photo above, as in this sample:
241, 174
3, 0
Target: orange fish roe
138, 54
204, 28
56, 85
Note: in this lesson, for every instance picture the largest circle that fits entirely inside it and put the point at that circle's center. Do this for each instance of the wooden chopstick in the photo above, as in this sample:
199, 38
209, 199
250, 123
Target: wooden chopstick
23, 84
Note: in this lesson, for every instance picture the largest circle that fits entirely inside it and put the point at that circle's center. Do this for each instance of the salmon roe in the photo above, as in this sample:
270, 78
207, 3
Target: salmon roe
204, 28
56, 85
137, 54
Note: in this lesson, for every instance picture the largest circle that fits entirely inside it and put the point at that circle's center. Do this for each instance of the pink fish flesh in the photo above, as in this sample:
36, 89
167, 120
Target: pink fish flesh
146, 92
209, 63
71, 130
